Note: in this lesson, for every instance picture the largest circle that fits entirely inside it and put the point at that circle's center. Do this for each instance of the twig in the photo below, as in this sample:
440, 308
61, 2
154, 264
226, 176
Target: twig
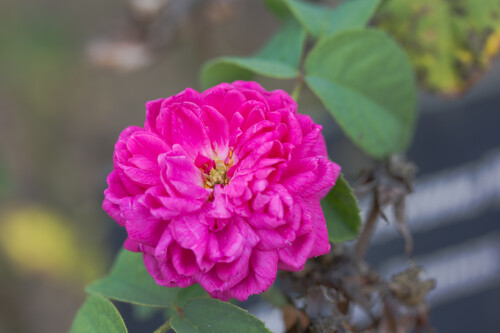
368, 229
163, 328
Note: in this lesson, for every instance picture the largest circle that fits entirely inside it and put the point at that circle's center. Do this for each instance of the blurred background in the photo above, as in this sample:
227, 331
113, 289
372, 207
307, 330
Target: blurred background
74, 74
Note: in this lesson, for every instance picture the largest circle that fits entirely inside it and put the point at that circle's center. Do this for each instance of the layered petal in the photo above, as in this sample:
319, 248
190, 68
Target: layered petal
222, 188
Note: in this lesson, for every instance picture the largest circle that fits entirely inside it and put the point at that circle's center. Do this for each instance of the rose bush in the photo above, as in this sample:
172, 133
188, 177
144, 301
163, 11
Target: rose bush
222, 188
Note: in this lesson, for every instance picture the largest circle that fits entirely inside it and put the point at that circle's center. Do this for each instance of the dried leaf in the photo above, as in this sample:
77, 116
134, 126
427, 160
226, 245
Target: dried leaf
409, 288
402, 225
293, 317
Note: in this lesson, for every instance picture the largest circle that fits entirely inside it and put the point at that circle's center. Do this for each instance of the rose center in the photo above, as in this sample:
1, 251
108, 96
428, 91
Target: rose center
217, 175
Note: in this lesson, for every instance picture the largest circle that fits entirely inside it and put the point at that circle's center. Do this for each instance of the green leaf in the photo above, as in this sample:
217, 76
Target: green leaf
278, 8
449, 42
341, 212
279, 59
98, 315
322, 21
350, 14
130, 282
204, 315
286, 46
228, 69
366, 82
194, 291
222, 70
310, 16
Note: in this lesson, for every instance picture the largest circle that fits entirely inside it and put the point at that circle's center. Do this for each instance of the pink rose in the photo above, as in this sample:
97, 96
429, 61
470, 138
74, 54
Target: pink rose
222, 188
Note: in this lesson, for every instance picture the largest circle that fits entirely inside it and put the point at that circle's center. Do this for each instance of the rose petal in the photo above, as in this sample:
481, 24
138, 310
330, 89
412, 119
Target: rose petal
232, 237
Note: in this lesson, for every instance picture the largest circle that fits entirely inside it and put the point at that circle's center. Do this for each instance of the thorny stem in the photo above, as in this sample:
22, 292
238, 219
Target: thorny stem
366, 233
163, 328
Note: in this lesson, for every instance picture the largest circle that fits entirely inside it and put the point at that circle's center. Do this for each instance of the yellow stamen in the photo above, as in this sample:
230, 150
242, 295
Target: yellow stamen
218, 175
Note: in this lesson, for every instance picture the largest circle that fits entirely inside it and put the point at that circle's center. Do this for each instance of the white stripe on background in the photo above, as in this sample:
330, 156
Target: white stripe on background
449, 196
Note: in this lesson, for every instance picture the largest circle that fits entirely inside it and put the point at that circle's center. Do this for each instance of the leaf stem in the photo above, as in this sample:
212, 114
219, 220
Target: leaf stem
298, 88
163, 328
368, 229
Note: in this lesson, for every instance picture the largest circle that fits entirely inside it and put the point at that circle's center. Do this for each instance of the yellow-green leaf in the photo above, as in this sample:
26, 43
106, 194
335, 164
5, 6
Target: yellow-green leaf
449, 42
